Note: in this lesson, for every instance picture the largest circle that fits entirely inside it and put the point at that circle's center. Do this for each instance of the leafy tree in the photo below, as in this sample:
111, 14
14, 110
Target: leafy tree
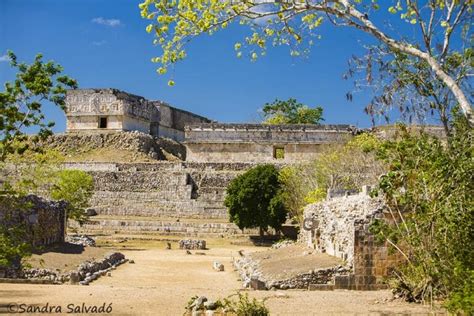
295, 24
253, 199
428, 189
21, 101
76, 187
291, 112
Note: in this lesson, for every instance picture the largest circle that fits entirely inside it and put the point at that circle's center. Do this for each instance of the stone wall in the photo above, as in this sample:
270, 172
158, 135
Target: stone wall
261, 143
173, 121
340, 227
44, 220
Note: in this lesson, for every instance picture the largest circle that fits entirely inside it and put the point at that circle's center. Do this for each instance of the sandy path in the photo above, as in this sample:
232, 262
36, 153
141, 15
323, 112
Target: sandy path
162, 281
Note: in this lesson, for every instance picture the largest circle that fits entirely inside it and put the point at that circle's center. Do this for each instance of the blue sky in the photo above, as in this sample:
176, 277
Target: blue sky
103, 43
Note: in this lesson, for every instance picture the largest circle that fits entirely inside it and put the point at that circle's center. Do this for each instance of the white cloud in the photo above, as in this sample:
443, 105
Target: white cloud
107, 22
99, 43
4, 58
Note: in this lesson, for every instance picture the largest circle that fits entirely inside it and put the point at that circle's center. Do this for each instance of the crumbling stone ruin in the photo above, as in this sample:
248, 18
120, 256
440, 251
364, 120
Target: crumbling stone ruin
44, 221
339, 227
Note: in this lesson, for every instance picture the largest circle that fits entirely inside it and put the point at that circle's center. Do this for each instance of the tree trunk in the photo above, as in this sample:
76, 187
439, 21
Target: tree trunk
367, 26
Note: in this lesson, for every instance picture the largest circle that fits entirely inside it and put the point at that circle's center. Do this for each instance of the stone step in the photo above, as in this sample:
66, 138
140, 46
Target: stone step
162, 227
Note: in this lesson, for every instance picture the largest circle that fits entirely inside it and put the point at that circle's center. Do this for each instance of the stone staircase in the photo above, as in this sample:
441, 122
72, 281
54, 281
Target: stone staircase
161, 198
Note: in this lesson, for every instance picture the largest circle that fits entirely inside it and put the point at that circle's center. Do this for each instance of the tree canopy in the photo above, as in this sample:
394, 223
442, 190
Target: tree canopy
254, 199
291, 112
22, 100
295, 24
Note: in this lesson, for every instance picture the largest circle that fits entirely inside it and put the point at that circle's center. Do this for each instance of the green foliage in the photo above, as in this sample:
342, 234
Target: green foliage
244, 306
13, 247
75, 187
291, 112
429, 36
21, 101
428, 188
254, 200
347, 166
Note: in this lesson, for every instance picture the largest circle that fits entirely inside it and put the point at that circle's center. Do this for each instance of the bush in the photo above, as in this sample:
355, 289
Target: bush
254, 200
246, 307
429, 187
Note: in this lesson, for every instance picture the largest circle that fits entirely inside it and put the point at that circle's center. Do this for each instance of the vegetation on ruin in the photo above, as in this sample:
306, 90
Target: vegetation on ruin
347, 167
430, 34
291, 112
254, 199
428, 189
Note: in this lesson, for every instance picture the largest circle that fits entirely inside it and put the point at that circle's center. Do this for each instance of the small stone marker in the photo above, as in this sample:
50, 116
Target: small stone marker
218, 266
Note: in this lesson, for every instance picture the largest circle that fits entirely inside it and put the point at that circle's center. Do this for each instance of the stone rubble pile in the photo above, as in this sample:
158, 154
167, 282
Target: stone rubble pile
82, 240
190, 244
155, 147
201, 303
92, 270
85, 273
283, 244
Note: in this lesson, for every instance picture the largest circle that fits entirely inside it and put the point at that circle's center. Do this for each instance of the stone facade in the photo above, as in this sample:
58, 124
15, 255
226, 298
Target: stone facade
174, 198
260, 143
340, 227
113, 110
44, 220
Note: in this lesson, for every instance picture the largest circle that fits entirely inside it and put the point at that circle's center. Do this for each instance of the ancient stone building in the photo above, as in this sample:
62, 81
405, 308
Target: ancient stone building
339, 227
114, 110
260, 143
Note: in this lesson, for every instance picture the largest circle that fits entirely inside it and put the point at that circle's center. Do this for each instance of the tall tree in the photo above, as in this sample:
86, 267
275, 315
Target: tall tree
295, 23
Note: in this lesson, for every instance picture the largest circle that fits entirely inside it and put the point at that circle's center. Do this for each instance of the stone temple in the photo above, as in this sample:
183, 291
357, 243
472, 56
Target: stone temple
108, 110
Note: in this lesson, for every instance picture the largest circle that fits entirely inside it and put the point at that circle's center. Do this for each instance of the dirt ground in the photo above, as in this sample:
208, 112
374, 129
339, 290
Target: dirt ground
290, 261
160, 282
66, 257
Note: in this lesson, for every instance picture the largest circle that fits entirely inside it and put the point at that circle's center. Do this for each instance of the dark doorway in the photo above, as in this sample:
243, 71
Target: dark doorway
102, 122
